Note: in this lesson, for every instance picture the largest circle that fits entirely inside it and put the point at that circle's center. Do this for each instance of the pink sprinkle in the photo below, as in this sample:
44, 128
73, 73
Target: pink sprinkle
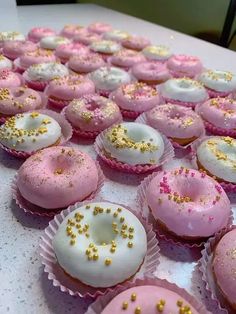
189, 210
192, 174
211, 218
203, 175
214, 202
218, 188
161, 191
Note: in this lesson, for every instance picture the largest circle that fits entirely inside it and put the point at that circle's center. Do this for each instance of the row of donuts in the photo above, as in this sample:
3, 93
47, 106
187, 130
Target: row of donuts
162, 303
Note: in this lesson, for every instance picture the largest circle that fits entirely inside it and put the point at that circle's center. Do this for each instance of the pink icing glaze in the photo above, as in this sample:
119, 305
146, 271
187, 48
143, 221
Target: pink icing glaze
15, 100
220, 112
99, 28
9, 79
37, 33
189, 203
71, 30
14, 49
150, 72
86, 63
69, 87
86, 37
57, 177
65, 51
126, 58
135, 42
147, 298
183, 65
34, 57
138, 97
93, 113
224, 266
175, 121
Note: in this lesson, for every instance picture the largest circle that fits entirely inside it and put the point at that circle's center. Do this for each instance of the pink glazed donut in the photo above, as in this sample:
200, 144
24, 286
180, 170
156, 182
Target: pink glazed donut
72, 30
188, 203
61, 91
99, 28
136, 98
14, 100
86, 38
151, 73
86, 63
135, 42
182, 125
224, 265
126, 58
65, 51
149, 299
57, 177
219, 115
184, 66
37, 33
9, 79
14, 49
34, 57
92, 113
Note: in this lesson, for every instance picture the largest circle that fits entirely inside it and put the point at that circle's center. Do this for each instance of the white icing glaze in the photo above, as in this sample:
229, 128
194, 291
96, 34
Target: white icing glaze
105, 46
221, 81
116, 34
134, 143
46, 71
30, 132
157, 52
218, 156
5, 36
75, 258
184, 89
51, 42
5, 63
109, 78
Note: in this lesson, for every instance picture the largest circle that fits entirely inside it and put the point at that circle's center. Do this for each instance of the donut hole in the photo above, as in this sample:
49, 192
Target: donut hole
18, 93
136, 136
176, 114
184, 84
102, 231
92, 105
32, 124
191, 189
61, 164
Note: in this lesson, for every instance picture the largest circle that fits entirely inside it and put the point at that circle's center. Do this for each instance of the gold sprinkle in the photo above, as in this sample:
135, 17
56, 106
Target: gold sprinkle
137, 310
133, 297
72, 242
130, 244
108, 261
95, 257
125, 305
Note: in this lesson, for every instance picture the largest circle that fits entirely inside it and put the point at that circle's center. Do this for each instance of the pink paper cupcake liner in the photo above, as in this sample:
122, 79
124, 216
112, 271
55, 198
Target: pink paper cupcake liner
16, 66
76, 288
227, 186
98, 306
219, 131
138, 169
129, 114
142, 119
214, 94
165, 235
58, 103
39, 211
206, 271
66, 133
181, 103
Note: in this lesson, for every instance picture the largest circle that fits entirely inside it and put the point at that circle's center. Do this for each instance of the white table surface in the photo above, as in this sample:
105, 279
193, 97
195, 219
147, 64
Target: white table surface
24, 288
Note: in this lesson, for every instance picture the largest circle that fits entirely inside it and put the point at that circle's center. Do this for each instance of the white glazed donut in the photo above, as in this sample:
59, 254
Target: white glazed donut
105, 46
5, 63
134, 143
109, 78
52, 42
46, 71
116, 35
184, 89
220, 81
30, 132
158, 53
6, 36
100, 244
217, 155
